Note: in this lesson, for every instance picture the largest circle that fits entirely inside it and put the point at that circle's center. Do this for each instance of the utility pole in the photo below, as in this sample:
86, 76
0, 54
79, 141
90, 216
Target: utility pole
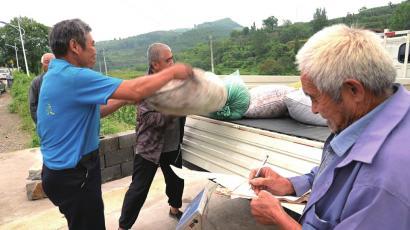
22, 45
212, 54
17, 58
21, 39
99, 64
105, 63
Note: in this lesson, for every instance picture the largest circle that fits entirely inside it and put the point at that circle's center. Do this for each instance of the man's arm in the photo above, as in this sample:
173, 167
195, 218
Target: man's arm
302, 184
111, 106
33, 98
152, 118
140, 88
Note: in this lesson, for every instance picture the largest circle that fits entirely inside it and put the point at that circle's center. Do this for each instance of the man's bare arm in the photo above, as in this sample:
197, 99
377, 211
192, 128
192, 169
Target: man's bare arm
112, 106
142, 87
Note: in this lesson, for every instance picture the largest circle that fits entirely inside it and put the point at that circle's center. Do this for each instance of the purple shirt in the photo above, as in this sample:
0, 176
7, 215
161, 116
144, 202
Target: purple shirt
367, 187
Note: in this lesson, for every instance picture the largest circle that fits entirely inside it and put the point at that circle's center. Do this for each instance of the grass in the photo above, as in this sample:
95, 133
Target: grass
19, 104
126, 74
121, 120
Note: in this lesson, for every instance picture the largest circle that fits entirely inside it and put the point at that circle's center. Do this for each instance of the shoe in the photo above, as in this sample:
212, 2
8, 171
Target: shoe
176, 215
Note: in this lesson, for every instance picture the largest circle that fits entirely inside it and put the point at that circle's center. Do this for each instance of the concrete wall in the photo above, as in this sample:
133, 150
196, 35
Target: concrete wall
117, 155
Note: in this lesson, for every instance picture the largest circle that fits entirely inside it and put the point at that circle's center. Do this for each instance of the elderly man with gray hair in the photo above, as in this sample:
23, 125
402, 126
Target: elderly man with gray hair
158, 144
36, 85
362, 181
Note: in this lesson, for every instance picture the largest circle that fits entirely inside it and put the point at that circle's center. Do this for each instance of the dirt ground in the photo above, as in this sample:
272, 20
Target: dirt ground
12, 137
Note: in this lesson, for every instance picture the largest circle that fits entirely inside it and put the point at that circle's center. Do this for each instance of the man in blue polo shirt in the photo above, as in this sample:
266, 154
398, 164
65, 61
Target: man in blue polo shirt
68, 123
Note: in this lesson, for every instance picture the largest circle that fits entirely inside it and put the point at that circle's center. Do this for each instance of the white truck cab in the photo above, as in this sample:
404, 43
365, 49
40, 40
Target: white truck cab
397, 44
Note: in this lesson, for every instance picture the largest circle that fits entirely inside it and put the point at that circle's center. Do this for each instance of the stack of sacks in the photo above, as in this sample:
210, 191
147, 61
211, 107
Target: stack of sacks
202, 94
268, 101
300, 108
238, 99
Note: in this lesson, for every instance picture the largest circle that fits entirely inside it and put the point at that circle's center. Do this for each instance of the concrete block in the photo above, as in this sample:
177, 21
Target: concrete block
35, 190
117, 157
127, 139
102, 161
34, 172
127, 168
108, 144
111, 173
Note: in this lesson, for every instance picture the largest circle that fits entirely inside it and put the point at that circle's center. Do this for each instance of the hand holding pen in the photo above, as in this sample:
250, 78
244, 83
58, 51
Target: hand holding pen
255, 173
263, 164
264, 178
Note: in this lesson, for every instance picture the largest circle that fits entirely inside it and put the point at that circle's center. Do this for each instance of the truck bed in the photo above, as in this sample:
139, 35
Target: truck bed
287, 126
236, 147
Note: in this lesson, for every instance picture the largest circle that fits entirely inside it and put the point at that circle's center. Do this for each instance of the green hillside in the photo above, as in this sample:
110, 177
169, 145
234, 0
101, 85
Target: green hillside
268, 50
131, 52
271, 49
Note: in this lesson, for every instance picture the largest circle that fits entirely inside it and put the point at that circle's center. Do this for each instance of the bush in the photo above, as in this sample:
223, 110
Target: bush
19, 104
121, 120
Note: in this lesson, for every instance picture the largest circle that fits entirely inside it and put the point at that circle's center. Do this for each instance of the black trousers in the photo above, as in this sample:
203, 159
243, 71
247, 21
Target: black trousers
144, 172
77, 192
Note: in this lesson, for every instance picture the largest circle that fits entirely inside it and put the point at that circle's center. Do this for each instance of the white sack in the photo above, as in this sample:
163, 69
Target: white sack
300, 108
202, 94
267, 101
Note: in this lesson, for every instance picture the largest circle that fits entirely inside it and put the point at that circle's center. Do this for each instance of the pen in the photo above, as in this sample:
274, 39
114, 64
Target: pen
259, 170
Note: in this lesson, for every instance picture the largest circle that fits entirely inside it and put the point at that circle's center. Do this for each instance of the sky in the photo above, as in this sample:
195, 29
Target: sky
124, 18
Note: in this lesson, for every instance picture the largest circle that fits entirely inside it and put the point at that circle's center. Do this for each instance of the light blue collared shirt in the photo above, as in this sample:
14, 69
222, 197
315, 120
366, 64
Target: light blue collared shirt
364, 186
343, 141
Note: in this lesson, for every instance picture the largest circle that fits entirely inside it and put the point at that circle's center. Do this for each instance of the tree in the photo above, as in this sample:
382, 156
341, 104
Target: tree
401, 17
350, 19
259, 41
35, 42
253, 27
245, 30
319, 19
362, 9
294, 31
286, 22
270, 23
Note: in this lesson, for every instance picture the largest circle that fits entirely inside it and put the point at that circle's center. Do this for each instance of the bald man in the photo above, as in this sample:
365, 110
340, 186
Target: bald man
36, 84
158, 145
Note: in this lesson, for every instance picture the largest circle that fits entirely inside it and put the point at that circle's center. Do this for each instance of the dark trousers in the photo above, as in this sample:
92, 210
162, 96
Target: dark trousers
144, 172
77, 192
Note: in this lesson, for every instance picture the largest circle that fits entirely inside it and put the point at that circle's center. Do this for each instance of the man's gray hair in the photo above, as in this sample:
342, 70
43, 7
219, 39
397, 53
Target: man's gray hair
44, 56
154, 51
338, 53
64, 31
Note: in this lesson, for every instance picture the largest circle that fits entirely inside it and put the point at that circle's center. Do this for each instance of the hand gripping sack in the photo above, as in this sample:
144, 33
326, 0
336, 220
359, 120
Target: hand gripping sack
202, 94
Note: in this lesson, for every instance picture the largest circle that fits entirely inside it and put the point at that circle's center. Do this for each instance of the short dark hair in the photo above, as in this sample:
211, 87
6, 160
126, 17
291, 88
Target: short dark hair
64, 31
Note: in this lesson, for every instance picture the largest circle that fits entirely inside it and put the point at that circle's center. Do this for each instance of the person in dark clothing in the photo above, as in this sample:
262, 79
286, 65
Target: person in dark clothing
36, 84
158, 144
